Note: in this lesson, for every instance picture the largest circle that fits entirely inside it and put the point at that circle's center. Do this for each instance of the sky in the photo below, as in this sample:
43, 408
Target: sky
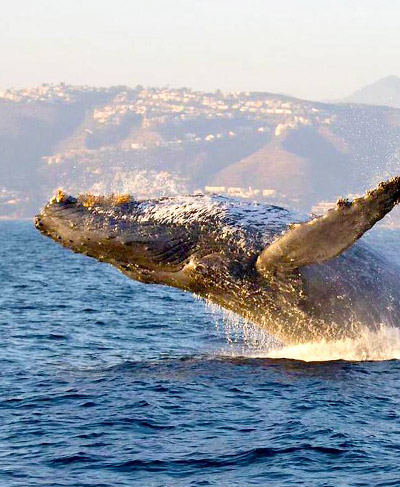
314, 49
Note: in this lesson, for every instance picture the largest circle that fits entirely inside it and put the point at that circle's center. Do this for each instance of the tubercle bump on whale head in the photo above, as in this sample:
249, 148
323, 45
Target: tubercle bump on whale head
89, 200
63, 204
60, 208
62, 198
71, 220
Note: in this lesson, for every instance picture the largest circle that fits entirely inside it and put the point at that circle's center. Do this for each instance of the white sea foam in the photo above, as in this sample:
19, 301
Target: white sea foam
247, 339
383, 344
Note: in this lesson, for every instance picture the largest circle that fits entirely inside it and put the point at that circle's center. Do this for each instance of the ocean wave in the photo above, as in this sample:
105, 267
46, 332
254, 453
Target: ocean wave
246, 457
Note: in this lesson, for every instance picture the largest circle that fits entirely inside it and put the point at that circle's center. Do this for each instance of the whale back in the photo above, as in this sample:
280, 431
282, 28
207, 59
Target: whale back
231, 220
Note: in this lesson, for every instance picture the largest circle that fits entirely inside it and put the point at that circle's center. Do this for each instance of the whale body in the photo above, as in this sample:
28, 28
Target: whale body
298, 278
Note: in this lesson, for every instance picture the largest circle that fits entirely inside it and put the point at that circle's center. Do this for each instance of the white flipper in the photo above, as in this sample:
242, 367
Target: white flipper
327, 236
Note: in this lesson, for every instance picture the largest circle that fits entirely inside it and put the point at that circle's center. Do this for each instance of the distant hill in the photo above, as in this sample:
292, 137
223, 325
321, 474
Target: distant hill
385, 91
160, 141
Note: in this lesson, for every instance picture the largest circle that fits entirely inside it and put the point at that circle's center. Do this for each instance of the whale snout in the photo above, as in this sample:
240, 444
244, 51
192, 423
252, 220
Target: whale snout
92, 226
61, 219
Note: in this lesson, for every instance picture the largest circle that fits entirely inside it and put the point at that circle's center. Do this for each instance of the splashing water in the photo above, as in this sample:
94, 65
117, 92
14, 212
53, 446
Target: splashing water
246, 339
390, 170
142, 184
249, 340
383, 344
242, 336
139, 183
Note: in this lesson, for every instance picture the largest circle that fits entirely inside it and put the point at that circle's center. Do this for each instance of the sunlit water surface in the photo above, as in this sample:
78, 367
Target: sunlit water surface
107, 382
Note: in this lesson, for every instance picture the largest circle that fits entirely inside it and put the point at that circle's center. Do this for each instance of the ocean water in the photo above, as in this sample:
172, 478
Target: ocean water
108, 382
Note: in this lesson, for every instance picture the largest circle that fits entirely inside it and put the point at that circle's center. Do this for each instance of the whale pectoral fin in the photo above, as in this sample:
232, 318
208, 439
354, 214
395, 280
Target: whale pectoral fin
325, 237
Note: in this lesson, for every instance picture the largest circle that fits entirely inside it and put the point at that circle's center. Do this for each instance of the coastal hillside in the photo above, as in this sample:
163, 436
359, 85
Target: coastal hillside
155, 141
385, 91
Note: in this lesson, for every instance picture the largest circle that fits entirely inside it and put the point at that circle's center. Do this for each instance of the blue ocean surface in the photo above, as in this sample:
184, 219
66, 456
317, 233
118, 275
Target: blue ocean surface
108, 382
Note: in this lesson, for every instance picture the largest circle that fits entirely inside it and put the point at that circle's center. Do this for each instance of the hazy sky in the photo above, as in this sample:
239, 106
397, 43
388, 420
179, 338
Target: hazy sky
307, 48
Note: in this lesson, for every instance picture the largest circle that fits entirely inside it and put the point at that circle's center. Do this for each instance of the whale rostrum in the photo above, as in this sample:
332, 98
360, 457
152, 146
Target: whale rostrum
297, 278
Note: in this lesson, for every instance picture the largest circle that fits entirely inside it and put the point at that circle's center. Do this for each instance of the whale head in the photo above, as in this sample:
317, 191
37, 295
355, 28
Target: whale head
122, 231
96, 227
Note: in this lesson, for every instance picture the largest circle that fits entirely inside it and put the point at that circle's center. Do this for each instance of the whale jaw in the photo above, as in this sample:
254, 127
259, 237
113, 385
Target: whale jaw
148, 253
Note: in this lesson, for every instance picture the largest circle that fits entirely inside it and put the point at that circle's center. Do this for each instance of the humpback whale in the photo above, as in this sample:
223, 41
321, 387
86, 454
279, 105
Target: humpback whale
297, 278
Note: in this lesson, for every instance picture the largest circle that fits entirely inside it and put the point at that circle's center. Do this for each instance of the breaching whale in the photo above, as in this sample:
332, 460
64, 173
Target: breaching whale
298, 278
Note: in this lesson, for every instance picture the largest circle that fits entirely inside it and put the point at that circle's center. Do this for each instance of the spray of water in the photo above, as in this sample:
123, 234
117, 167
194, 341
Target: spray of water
383, 344
139, 183
246, 339
392, 219
242, 336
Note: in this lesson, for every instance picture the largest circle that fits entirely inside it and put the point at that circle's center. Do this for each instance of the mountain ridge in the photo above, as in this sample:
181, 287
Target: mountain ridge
383, 92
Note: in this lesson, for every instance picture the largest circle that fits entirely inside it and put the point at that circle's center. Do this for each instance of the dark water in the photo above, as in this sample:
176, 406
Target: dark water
106, 382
